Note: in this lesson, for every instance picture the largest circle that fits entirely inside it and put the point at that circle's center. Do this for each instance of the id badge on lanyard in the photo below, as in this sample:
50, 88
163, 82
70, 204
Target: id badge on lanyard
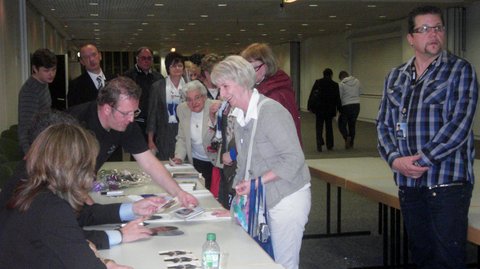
401, 127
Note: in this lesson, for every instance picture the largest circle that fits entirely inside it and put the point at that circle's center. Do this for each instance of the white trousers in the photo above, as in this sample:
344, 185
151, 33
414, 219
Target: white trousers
287, 221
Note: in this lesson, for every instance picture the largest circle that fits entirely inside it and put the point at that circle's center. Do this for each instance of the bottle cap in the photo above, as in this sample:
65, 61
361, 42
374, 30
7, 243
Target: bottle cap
211, 237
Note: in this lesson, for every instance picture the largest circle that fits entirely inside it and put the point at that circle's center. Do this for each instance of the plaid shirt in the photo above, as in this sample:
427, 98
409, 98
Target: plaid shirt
438, 111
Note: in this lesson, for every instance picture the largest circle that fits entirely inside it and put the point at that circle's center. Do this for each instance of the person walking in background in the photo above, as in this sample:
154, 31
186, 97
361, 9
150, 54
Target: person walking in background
271, 81
425, 134
349, 89
34, 96
144, 75
324, 101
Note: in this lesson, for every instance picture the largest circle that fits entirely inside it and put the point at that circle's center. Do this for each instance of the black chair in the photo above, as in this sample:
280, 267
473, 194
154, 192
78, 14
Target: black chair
10, 149
9, 134
5, 173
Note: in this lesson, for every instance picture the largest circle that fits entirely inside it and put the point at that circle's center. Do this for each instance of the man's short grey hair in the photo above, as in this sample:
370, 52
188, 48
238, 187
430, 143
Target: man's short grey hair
193, 86
234, 68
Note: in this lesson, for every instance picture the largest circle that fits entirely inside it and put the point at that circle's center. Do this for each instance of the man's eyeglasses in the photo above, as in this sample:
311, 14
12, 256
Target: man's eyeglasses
426, 29
134, 114
256, 68
195, 99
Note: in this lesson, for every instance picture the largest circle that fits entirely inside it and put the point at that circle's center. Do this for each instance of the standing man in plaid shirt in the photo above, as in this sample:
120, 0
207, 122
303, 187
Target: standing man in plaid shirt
425, 134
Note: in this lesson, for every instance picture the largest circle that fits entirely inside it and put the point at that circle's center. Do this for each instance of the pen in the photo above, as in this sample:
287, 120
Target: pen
112, 193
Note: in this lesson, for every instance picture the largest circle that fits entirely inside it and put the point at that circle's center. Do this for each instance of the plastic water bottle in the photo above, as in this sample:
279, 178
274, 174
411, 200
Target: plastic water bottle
211, 253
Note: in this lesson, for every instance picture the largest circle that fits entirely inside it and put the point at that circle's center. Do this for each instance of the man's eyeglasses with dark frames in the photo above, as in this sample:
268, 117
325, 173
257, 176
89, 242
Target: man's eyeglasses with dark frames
426, 29
135, 113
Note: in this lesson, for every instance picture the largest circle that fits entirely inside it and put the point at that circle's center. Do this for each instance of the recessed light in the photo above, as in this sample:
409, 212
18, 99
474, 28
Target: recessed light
150, 15
260, 24
93, 4
321, 30
222, 5
144, 23
264, 34
313, 5
96, 30
93, 14
304, 24
135, 34
52, 9
348, 24
95, 23
204, 16
283, 30
371, 6
382, 16
139, 29
181, 29
228, 35
192, 24
332, 16
158, 4
243, 30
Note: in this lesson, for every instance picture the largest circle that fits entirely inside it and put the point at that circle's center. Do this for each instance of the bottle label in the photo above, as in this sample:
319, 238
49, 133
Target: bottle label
211, 260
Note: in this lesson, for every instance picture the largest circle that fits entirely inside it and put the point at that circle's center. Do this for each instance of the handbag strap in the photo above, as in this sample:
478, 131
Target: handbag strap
251, 207
262, 201
250, 145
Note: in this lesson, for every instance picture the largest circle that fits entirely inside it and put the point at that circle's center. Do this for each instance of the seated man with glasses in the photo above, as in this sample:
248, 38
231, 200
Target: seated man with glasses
111, 118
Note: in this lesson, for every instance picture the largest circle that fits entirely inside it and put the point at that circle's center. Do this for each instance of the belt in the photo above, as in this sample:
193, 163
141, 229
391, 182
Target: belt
446, 185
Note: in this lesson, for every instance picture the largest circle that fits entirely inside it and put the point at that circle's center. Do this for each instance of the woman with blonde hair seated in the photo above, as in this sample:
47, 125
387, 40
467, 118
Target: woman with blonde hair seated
39, 228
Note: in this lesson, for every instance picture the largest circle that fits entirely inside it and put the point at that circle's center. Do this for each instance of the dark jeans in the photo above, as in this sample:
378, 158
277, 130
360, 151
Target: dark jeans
348, 118
436, 222
321, 118
206, 169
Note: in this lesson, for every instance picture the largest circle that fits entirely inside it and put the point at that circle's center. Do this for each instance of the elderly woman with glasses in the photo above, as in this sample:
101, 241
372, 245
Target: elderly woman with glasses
165, 96
271, 81
275, 155
194, 134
